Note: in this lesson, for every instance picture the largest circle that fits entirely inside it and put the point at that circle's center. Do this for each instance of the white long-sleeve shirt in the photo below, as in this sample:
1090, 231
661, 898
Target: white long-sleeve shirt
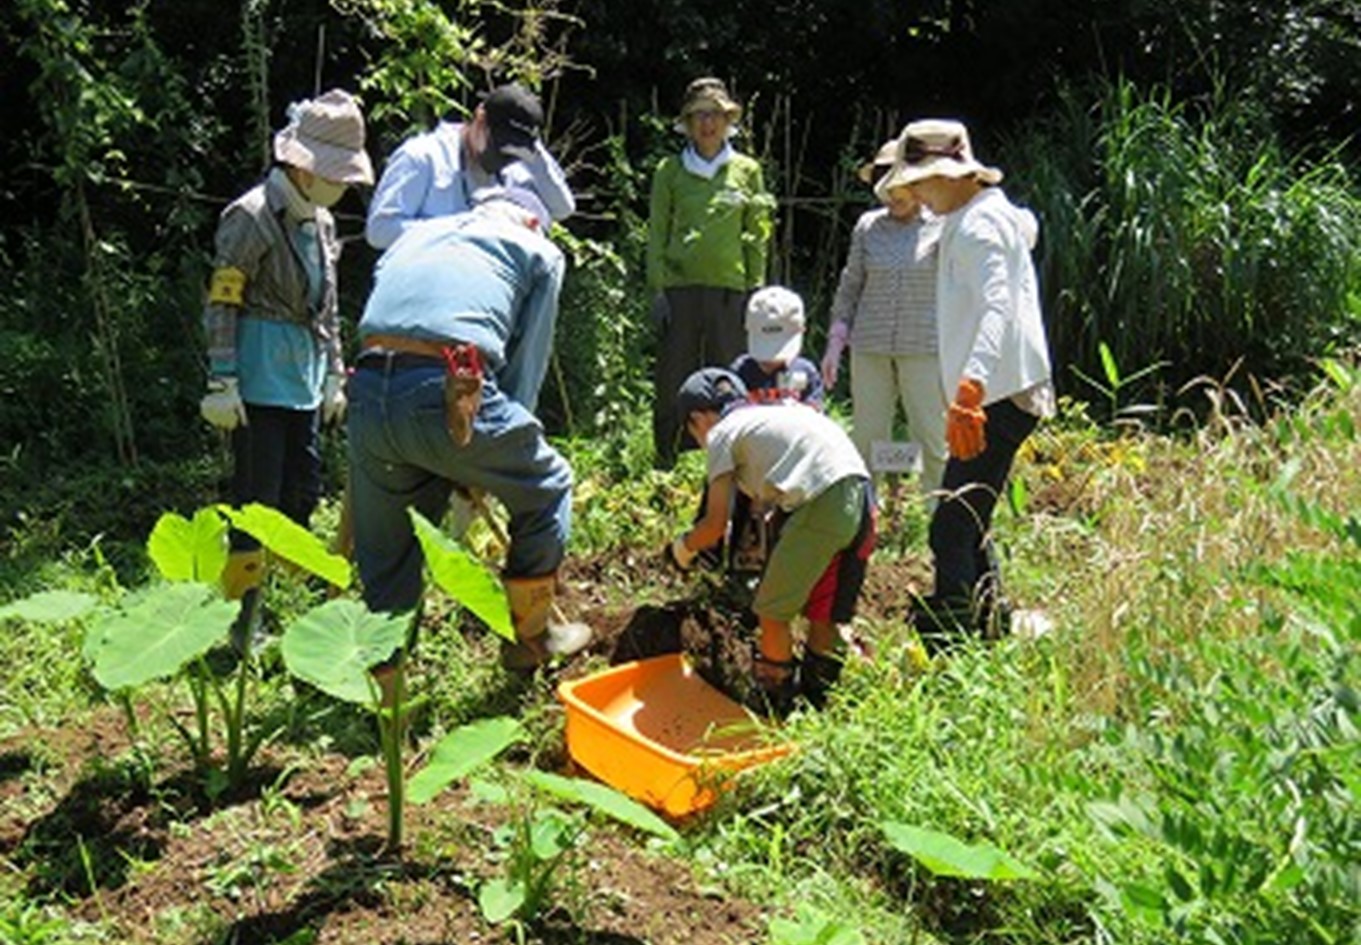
988, 303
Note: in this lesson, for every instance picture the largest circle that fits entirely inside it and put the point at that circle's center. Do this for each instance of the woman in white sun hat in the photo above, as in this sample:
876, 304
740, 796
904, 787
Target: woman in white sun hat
275, 371
994, 364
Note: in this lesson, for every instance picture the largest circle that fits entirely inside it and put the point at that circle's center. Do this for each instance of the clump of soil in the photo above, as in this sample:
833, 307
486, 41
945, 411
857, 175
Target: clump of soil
709, 616
717, 631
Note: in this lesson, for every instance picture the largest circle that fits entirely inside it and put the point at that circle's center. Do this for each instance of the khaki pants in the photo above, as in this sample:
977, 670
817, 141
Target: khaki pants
879, 383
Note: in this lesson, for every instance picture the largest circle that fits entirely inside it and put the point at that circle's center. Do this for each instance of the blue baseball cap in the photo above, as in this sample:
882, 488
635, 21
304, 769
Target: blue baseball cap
711, 388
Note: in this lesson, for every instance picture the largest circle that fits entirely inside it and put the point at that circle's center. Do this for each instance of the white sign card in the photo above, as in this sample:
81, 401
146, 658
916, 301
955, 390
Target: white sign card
892, 456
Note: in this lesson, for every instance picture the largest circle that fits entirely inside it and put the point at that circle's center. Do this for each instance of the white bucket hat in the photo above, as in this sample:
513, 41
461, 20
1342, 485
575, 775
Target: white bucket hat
775, 324
325, 135
934, 147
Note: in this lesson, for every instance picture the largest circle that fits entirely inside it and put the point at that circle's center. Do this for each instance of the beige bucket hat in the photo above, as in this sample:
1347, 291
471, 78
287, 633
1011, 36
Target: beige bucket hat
934, 147
888, 153
325, 135
708, 94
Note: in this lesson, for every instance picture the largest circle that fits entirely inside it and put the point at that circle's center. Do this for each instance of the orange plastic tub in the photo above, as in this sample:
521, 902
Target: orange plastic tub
656, 731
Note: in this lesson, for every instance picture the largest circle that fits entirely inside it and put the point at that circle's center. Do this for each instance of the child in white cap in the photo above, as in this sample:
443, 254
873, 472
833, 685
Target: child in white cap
772, 367
773, 372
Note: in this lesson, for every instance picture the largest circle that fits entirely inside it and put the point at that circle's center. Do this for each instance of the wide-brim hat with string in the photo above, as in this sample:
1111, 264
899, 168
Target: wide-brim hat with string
325, 135
707, 94
934, 147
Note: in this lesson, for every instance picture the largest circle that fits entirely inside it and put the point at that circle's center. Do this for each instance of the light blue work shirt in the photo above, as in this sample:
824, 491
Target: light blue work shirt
474, 277
426, 178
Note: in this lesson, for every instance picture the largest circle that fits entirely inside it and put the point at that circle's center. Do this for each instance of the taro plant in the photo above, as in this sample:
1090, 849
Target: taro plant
946, 855
338, 646
811, 927
540, 843
167, 630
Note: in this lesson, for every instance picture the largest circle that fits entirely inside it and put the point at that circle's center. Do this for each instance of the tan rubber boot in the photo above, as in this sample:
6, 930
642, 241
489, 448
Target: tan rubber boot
540, 639
244, 572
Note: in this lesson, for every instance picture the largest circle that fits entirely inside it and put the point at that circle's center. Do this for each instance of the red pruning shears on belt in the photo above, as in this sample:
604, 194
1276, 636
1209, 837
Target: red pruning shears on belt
462, 390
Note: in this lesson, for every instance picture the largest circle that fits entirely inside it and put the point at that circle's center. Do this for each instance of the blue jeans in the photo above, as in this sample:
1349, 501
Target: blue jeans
961, 526
276, 461
401, 456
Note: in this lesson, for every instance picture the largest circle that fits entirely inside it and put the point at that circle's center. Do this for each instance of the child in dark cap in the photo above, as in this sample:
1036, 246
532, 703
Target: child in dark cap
803, 464
772, 371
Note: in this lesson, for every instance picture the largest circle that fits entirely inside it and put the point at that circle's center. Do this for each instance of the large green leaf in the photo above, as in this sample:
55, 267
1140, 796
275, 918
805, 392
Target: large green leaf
813, 928
462, 752
551, 834
944, 855
153, 633
604, 799
334, 646
50, 607
499, 899
189, 550
463, 577
287, 539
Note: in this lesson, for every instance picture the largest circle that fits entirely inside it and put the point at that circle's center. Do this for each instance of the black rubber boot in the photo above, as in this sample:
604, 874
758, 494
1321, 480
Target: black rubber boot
819, 673
775, 699
943, 623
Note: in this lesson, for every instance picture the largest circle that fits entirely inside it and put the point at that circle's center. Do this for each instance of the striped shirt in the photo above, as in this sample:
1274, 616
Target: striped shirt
887, 291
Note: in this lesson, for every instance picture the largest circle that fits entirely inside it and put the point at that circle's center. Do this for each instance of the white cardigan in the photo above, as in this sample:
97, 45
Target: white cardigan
988, 301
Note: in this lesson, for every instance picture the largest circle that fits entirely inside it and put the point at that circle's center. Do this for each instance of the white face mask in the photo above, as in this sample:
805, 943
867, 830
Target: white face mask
322, 192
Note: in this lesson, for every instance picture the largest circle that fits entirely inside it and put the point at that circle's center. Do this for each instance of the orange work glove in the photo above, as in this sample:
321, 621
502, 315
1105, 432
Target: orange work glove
964, 424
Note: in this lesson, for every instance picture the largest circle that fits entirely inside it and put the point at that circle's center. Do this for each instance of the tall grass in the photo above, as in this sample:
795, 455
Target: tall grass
1188, 233
1177, 759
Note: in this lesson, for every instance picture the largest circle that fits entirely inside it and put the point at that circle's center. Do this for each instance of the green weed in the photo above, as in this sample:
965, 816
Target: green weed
541, 843
23, 923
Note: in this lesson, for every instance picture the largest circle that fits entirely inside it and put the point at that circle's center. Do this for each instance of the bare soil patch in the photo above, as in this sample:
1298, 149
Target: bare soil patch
298, 851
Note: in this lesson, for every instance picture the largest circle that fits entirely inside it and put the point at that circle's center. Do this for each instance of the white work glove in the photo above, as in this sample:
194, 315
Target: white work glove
831, 359
681, 556
333, 399
222, 406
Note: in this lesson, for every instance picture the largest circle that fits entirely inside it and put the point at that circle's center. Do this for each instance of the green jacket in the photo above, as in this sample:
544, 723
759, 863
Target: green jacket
708, 232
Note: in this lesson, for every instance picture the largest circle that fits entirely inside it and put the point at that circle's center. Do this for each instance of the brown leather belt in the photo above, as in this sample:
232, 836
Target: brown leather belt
404, 344
462, 364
